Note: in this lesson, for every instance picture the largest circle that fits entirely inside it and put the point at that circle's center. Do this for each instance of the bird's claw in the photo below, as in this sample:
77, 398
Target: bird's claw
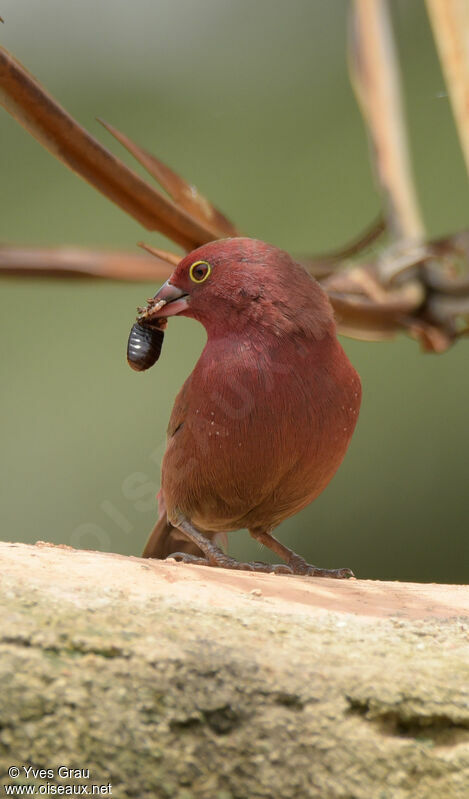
186, 557
299, 565
280, 568
222, 562
336, 574
225, 562
296, 566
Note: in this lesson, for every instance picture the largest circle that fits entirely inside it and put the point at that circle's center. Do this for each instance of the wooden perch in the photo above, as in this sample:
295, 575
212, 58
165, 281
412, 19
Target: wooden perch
168, 680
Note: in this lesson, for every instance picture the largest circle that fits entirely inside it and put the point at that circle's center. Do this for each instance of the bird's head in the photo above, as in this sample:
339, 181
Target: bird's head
233, 283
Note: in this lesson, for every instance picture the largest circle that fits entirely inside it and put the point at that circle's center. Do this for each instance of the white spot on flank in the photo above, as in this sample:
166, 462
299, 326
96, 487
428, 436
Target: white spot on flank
212, 422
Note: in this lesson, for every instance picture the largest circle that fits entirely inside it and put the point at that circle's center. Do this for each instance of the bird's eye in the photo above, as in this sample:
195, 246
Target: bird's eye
199, 271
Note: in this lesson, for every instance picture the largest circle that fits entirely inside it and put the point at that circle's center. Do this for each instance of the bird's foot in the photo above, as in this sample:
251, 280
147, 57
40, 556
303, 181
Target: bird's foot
295, 563
298, 565
214, 556
186, 557
223, 561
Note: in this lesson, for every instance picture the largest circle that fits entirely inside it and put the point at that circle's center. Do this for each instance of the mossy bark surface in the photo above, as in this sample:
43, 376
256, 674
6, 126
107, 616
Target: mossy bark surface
166, 680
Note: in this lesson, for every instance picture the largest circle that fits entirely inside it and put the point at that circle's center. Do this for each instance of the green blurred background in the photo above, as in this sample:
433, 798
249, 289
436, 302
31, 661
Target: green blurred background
251, 102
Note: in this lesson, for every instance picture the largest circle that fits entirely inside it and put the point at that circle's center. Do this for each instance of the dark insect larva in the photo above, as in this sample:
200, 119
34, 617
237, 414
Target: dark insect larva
144, 346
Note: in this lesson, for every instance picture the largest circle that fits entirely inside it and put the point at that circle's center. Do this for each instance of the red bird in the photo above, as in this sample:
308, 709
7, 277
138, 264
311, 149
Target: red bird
263, 422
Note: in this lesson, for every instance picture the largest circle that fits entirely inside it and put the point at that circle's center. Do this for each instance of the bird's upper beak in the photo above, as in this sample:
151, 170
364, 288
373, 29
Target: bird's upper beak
168, 301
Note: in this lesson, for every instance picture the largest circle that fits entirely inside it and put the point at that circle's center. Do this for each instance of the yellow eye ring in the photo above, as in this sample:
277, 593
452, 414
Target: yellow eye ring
199, 271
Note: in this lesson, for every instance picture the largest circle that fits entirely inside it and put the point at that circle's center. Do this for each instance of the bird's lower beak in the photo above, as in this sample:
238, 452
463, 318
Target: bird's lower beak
168, 301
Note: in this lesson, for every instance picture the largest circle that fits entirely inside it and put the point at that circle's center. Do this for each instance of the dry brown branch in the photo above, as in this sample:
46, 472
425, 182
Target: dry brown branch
433, 308
24, 97
76, 262
184, 194
450, 23
430, 298
355, 247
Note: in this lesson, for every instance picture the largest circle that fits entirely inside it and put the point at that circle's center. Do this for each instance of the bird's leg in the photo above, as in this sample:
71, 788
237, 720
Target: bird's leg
297, 564
214, 556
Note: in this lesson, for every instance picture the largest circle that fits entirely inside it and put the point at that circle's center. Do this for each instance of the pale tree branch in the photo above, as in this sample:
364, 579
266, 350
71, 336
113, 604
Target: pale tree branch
375, 77
450, 23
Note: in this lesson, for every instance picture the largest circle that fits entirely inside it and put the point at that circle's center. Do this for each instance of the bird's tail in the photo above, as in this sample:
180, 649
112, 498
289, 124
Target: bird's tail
165, 539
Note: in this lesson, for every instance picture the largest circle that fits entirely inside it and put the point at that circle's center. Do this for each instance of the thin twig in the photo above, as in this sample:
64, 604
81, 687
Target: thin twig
184, 194
75, 262
168, 257
362, 242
